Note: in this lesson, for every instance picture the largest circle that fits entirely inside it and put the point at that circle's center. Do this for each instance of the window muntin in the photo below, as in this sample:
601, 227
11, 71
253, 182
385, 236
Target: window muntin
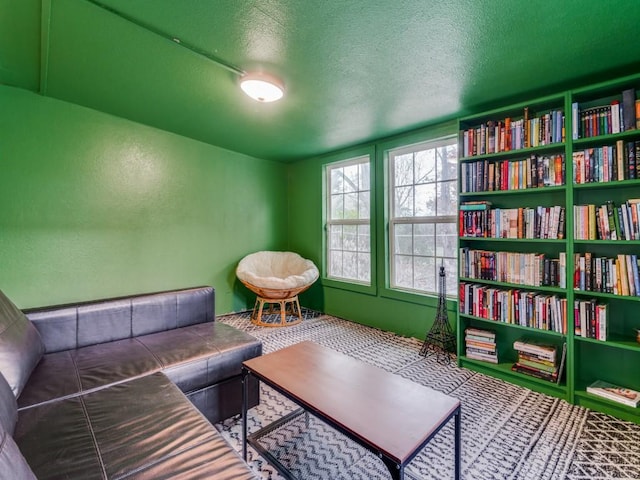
423, 216
348, 227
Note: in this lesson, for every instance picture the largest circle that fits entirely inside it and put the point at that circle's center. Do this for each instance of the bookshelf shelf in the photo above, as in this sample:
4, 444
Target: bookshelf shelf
519, 153
605, 139
588, 293
597, 122
541, 288
614, 343
615, 243
503, 371
612, 184
513, 240
526, 191
487, 321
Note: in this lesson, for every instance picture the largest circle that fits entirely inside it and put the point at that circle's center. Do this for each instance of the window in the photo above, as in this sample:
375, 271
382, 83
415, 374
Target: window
423, 216
348, 227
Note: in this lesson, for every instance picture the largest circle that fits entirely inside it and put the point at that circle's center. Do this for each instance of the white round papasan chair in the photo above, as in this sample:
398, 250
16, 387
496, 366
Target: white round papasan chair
276, 278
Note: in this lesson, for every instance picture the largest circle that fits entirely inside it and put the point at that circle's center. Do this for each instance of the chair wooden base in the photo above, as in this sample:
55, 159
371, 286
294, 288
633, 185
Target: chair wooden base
288, 306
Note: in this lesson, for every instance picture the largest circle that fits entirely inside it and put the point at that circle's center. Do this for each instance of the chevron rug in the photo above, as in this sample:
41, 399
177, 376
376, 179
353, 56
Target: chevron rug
508, 432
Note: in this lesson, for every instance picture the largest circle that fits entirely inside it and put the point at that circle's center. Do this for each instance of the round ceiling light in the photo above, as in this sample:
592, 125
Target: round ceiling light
262, 87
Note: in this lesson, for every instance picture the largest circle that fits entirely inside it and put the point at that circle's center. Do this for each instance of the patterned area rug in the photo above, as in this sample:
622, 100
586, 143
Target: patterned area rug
508, 432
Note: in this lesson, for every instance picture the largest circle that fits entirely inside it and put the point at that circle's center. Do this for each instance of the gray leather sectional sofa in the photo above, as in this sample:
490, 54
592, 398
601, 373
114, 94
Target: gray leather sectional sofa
123, 388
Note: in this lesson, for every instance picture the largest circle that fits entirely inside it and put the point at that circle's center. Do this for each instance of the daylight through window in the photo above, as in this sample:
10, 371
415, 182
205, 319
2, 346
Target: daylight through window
422, 216
348, 226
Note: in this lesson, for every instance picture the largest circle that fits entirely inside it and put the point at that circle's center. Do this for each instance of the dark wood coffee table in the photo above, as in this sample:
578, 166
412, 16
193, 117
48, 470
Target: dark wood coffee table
392, 417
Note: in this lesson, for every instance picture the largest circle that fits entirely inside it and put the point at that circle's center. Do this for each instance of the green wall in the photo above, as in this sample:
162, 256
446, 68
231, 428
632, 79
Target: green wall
404, 313
93, 206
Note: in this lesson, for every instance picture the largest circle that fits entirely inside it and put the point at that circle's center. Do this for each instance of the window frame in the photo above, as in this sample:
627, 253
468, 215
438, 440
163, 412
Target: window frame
391, 221
347, 158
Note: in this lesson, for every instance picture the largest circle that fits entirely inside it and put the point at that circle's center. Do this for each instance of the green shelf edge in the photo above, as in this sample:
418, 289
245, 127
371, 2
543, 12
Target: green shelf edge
523, 152
523, 240
503, 371
539, 190
594, 402
631, 345
513, 325
519, 286
586, 293
613, 184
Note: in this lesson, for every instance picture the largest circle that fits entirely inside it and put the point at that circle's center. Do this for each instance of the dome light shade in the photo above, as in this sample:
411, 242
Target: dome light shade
262, 87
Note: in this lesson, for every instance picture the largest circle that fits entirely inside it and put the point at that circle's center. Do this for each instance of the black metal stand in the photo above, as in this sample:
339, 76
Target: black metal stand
440, 339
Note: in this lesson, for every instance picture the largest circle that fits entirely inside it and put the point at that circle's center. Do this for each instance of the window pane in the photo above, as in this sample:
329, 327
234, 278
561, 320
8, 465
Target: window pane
335, 236
450, 275
447, 160
403, 169
351, 206
423, 239
424, 192
351, 178
446, 239
364, 267
364, 239
426, 200
349, 265
348, 232
424, 274
336, 180
403, 271
363, 205
337, 207
447, 198
364, 176
403, 202
335, 263
425, 166
403, 240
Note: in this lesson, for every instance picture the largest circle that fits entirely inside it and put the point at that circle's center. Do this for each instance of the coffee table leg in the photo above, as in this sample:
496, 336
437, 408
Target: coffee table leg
245, 395
457, 444
396, 471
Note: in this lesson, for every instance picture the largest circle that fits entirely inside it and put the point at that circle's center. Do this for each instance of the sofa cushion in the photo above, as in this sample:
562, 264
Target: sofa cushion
12, 464
194, 357
20, 345
144, 428
8, 407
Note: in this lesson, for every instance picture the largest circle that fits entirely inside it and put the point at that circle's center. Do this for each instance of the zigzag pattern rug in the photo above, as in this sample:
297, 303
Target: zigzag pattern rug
508, 432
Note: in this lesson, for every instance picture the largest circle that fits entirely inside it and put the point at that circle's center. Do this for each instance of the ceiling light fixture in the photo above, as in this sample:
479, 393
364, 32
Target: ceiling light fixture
262, 87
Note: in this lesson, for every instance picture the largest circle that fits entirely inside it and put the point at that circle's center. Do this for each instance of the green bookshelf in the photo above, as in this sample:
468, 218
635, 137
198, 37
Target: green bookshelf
615, 359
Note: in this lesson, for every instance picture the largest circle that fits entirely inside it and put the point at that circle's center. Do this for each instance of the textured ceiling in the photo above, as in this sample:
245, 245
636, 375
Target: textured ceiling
354, 70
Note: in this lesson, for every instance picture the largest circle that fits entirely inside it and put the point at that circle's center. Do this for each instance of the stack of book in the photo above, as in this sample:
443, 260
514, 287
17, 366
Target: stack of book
481, 345
622, 395
538, 360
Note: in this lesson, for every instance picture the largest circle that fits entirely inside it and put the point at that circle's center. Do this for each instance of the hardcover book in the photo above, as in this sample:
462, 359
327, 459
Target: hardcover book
622, 395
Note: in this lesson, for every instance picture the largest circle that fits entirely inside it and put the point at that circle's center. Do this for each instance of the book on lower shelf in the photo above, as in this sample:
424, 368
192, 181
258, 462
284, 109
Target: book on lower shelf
539, 360
481, 345
615, 393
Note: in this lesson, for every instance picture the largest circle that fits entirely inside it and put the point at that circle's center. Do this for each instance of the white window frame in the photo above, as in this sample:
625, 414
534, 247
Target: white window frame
394, 221
329, 222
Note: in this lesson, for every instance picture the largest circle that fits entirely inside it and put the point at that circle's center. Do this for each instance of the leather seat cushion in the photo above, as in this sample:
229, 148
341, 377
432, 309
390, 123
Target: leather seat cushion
20, 345
194, 357
139, 429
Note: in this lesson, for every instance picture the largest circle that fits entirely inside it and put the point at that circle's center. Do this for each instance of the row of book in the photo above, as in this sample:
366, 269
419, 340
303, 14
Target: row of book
608, 163
513, 306
480, 345
514, 134
615, 393
539, 360
618, 276
522, 222
590, 319
535, 171
607, 222
533, 269
619, 115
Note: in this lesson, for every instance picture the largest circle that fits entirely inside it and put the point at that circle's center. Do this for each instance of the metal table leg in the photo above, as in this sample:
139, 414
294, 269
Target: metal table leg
245, 396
